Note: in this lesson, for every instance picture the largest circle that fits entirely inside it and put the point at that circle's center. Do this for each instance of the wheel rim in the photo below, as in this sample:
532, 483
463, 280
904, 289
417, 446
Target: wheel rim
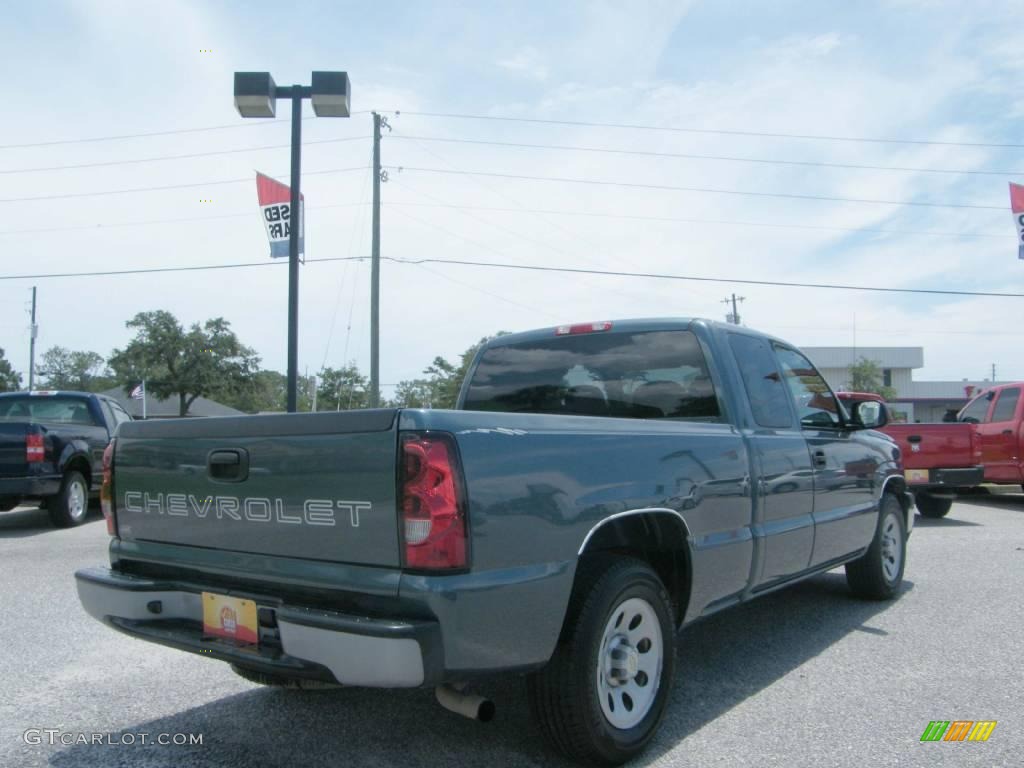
629, 663
76, 500
892, 553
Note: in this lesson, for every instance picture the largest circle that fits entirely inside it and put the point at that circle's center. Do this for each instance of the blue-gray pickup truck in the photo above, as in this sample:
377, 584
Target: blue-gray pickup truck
599, 486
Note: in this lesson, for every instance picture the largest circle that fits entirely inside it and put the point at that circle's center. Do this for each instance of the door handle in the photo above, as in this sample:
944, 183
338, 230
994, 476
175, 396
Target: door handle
1007, 431
819, 460
231, 465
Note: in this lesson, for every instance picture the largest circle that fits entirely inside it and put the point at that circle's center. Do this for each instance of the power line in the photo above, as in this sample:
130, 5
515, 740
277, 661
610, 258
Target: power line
161, 158
714, 131
705, 190
680, 220
156, 133
149, 222
247, 179
726, 158
532, 268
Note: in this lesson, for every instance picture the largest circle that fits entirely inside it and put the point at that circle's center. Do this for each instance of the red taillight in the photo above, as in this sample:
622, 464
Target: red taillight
432, 510
34, 449
569, 330
107, 489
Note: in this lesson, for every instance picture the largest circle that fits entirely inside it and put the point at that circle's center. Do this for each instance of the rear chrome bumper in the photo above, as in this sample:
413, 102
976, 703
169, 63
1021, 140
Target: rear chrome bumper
318, 644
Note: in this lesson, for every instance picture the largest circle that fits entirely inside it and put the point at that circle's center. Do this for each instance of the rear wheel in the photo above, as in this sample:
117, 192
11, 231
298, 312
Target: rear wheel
877, 574
932, 506
282, 681
70, 505
601, 698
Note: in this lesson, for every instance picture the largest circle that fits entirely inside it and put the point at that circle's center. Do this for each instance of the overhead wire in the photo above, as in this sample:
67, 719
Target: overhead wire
696, 156
535, 268
703, 190
713, 131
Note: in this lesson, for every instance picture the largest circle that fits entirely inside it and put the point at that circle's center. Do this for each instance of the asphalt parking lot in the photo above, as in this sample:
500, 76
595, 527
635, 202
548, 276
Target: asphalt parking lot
805, 677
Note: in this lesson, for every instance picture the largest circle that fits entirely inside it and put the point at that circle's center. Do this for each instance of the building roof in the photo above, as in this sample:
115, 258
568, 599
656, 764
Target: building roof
168, 408
885, 357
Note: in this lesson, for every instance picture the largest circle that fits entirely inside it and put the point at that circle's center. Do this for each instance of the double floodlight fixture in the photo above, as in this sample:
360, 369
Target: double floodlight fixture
256, 94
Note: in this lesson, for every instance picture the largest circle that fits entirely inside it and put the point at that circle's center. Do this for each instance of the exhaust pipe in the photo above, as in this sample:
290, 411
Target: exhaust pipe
466, 704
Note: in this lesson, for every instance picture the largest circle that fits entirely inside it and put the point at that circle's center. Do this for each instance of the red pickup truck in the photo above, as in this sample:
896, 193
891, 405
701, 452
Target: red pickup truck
999, 415
938, 459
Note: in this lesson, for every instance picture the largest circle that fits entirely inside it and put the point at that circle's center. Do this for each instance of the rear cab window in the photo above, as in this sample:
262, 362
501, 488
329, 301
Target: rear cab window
977, 409
638, 375
50, 409
769, 401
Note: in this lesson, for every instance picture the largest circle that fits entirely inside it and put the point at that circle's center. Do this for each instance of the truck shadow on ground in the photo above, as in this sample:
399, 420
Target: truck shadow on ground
950, 521
365, 727
1014, 501
32, 521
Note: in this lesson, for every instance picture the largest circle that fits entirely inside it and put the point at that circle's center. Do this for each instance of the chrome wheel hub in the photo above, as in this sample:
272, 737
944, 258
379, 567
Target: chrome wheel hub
629, 663
891, 551
76, 501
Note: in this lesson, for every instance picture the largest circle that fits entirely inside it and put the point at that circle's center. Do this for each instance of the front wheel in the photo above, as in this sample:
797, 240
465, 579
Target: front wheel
601, 698
878, 573
71, 504
932, 506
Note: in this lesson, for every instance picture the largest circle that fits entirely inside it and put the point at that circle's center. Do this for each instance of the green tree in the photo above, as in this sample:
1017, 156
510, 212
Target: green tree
204, 361
342, 389
267, 391
10, 380
413, 393
445, 378
84, 371
866, 376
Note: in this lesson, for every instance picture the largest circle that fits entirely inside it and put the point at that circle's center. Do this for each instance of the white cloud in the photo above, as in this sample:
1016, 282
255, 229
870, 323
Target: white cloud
527, 62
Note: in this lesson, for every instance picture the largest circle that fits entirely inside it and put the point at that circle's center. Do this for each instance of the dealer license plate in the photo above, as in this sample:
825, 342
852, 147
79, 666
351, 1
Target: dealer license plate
916, 475
229, 617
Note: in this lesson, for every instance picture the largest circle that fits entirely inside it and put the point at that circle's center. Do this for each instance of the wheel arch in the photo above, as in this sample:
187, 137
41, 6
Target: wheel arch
659, 537
896, 485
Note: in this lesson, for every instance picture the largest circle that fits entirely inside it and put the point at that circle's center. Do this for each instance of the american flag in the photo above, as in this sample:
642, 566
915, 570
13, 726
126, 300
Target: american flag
139, 392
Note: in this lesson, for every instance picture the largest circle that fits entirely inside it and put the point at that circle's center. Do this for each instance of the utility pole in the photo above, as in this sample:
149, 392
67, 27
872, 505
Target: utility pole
374, 398
32, 345
734, 318
993, 364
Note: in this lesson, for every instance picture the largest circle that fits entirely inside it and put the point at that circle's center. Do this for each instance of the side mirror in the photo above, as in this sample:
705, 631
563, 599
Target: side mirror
869, 414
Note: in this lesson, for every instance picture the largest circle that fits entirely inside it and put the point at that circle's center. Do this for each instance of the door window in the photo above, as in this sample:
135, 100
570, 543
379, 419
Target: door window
1006, 405
120, 415
761, 379
815, 404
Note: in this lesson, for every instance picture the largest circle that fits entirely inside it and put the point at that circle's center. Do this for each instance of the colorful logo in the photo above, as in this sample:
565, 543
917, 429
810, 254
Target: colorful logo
958, 730
228, 620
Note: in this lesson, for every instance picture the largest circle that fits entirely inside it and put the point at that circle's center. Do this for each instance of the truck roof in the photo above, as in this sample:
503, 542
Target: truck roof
630, 324
50, 393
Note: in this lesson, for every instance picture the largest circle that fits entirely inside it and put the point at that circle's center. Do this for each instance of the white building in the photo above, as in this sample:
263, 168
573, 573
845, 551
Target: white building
916, 400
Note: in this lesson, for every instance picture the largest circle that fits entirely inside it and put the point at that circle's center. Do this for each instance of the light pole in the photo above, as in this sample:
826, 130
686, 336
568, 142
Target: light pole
256, 96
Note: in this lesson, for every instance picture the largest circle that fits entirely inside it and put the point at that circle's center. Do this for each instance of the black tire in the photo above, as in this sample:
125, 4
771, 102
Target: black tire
282, 681
875, 575
932, 506
70, 506
565, 696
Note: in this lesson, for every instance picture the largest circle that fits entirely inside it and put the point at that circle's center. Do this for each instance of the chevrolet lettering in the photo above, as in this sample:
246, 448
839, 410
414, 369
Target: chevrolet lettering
256, 510
598, 487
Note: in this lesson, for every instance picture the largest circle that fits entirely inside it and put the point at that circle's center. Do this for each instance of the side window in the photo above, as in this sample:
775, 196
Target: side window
761, 379
976, 410
120, 414
815, 404
1006, 405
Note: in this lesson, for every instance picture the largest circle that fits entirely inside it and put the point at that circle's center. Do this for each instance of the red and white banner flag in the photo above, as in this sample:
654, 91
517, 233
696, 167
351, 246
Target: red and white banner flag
275, 205
1017, 206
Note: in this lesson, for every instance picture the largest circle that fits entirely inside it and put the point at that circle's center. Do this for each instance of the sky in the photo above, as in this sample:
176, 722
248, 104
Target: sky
708, 80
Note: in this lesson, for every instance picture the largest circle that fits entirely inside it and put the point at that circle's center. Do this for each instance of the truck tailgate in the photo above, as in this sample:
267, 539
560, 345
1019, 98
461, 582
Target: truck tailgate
933, 446
12, 450
317, 486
